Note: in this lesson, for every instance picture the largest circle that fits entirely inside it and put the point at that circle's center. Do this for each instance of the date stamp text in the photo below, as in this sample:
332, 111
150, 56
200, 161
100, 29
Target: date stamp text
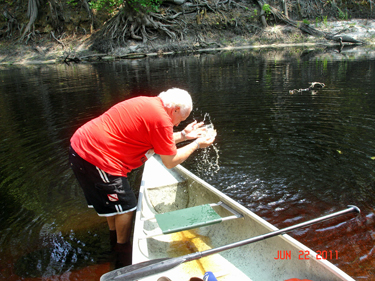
306, 255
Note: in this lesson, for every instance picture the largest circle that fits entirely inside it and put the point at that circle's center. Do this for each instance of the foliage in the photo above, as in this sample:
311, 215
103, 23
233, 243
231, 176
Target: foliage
145, 5
267, 9
253, 15
8, 2
109, 5
137, 5
321, 19
72, 3
342, 15
317, 21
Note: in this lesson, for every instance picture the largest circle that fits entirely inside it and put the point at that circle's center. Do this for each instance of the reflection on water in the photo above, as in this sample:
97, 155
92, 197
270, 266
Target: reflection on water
59, 254
288, 158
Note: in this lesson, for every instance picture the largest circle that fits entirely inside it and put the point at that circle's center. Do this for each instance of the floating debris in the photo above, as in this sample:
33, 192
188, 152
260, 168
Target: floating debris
313, 87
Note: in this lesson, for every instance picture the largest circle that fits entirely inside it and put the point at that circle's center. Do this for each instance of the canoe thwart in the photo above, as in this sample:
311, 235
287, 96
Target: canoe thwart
225, 206
189, 218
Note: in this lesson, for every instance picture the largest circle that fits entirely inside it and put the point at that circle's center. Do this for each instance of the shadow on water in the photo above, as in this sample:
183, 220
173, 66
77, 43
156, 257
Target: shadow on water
288, 158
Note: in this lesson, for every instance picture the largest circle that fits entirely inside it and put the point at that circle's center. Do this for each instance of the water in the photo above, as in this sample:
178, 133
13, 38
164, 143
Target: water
288, 158
207, 161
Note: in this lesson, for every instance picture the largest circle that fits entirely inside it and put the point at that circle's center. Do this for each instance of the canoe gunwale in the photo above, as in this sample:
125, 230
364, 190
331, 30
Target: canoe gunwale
142, 253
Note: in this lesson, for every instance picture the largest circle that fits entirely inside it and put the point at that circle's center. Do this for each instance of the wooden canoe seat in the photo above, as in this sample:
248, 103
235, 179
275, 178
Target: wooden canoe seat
189, 218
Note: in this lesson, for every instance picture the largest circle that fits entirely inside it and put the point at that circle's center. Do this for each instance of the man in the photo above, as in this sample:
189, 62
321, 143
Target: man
104, 150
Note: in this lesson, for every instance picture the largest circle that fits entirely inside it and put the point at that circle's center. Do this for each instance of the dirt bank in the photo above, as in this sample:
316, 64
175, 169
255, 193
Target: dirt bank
79, 48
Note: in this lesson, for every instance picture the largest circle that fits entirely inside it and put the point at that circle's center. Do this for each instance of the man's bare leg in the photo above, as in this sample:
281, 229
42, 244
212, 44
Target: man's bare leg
111, 222
122, 225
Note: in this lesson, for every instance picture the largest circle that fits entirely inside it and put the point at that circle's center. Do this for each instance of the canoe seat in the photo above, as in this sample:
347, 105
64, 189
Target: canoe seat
189, 218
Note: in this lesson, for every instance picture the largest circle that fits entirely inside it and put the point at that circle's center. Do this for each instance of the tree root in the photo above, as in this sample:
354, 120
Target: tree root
57, 15
86, 6
12, 23
140, 27
58, 41
148, 26
303, 27
310, 30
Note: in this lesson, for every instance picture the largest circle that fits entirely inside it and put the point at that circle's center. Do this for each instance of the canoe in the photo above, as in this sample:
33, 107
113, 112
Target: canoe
165, 191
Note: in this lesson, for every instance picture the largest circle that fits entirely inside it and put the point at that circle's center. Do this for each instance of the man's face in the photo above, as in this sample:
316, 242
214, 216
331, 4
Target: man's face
178, 117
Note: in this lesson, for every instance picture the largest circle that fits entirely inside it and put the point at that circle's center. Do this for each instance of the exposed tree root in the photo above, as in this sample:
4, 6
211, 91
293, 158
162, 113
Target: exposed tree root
58, 41
305, 28
148, 26
172, 21
312, 31
142, 27
12, 23
86, 6
57, 15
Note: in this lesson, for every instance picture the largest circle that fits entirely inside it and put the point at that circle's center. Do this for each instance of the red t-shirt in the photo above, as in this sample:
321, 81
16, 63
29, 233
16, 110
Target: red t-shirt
118, 140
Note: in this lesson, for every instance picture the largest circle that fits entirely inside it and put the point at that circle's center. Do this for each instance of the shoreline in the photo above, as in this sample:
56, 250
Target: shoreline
77, 50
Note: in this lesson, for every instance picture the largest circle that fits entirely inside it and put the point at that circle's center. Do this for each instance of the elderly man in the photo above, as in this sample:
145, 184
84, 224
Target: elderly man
104, 150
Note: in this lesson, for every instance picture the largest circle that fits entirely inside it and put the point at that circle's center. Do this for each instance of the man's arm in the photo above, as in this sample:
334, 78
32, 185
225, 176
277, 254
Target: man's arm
184, 152
179, 137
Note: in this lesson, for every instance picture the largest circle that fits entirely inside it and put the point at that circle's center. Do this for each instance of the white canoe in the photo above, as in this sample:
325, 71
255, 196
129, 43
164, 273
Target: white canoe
163, 190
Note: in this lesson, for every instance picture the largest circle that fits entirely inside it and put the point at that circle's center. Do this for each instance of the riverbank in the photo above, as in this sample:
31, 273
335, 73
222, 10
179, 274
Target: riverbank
78, 49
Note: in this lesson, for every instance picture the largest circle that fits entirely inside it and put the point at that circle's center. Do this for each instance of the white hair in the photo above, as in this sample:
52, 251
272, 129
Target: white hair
177, 97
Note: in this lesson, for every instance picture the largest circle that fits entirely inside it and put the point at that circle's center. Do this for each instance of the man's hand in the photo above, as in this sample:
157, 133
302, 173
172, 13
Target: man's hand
193, 130
205, 141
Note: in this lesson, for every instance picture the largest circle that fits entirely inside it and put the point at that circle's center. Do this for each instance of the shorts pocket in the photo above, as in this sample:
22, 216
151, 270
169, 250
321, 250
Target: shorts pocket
112, 187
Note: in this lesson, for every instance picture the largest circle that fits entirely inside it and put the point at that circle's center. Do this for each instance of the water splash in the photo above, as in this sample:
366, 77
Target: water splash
208, 159
208, 116
208, 164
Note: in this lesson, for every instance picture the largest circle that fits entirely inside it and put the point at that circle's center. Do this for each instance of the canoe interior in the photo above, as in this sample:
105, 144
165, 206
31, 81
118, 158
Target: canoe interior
164, 190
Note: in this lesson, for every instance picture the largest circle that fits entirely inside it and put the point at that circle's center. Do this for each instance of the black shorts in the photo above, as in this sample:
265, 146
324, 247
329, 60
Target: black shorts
109, 195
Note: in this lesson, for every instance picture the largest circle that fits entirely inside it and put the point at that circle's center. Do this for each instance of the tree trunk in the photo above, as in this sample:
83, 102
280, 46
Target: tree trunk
32, 13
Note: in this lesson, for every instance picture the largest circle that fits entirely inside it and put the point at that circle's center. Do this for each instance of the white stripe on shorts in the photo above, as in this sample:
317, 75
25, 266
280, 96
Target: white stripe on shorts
117, 213
103, 175
118, 208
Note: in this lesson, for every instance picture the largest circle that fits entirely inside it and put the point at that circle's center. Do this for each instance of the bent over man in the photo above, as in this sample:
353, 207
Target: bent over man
104, 150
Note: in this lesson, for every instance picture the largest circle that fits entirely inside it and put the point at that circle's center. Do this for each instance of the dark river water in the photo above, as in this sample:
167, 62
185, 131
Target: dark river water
287, 157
